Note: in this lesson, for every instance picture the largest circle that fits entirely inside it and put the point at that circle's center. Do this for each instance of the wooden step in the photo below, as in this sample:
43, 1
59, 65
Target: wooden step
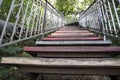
74, 43
81, 66
72, 35
89, 33
85, 31
57, 51
73, 39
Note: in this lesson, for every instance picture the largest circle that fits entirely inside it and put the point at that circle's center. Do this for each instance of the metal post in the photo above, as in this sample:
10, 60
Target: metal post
1, 2
7, 19
44, 20
101, 20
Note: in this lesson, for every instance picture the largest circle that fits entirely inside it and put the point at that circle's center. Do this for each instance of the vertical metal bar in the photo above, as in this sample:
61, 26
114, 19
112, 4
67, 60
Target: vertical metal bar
96, 18
119, 1
29, 19
57, 21
1, 2
112, 18
5, 26
118, 20
51, 18
23, 23
109, 24
38, 17
101, 20
98, 15
104, 16
14, 30
33, 23
32, 29
44, 20
40, 21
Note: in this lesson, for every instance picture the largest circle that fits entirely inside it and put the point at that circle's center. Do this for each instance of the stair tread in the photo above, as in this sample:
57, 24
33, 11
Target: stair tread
65, 34
82, 35
72, 49
73, 42
80, 62
80, 31
70, 39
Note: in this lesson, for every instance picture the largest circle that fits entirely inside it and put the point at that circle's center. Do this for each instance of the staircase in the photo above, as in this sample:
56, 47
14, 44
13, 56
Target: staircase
70, 50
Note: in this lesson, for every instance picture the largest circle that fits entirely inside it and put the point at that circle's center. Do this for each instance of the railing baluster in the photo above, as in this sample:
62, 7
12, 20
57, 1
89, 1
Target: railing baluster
1, 2
117, 17
28, 22
111, 14
5, 26
29, 19
108, 20
102, 16
14, 30
44, 20
23, 23
40, 21
33, 22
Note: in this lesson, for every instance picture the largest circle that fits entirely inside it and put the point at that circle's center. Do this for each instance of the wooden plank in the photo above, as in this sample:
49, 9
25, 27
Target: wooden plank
63, 34
72, 55
72, 36
73, 39
80, 31
71, 49
62, 43
73, 70
77, 62
87, 66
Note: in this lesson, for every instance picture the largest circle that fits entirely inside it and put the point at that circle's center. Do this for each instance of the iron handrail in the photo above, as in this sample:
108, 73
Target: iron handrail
102, 16
32, 18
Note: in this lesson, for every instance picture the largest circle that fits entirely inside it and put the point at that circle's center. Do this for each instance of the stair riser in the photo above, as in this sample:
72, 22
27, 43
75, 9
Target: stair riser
73, 70
69, 36
73, 49
74, 55
71, 39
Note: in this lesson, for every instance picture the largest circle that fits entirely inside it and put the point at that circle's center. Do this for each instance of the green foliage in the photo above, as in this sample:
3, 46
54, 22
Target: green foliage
5, 71
16, 49
71, 19
4, 9
68, 7
10, 51
13, 50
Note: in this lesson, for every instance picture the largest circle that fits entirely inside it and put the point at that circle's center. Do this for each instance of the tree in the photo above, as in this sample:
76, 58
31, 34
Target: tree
68, 7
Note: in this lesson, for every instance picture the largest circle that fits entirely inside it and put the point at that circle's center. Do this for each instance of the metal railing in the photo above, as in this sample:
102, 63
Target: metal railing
102, 16
25, 19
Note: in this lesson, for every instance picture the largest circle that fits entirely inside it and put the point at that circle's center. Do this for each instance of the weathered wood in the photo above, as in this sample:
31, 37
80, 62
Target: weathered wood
83, 62
72, 52
74, 39
81, 35
82, 31
91, 66
87, 43
74, 34
78, 49
72, 55
72, 70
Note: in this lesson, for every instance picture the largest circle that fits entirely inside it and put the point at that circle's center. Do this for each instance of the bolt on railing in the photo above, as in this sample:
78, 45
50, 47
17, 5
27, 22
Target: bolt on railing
102, 16
25, 19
